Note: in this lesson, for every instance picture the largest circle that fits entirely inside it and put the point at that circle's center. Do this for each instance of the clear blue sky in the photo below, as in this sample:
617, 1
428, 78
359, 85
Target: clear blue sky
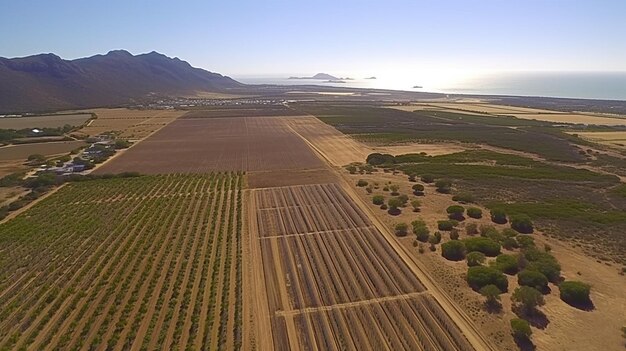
271, 37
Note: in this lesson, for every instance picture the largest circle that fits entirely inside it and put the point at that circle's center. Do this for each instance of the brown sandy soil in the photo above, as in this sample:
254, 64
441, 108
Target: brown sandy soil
48, 121
572, 118
10, 194
22, 151
312, 237
569, 328
198, 145
132, 124
268, 179
8, 167
340, 149
612, 139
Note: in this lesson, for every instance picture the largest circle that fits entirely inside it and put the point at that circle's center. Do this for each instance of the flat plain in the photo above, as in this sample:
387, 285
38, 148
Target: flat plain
48, 121
22, 151
151, 262
130, 123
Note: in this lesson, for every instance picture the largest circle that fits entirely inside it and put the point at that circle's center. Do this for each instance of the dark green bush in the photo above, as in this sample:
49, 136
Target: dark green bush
533, 279
506, 263
443, 186
510, 243
475, 258
420, 230
428, 178
456, 212
453, 250
498, 216
465, 198
522, 224
361, 182
520, 329
378, 200
445, 225
480, 276
484, 245
474, 212
402, 229
575, 293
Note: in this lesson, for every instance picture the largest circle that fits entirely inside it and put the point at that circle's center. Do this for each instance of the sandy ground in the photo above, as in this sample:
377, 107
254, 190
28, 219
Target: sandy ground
49, 121
133, 124
8, 167
569, 328
613, 139
22, 151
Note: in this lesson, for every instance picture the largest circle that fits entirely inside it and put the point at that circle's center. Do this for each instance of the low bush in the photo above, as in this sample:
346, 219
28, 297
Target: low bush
456, 212
506, 263
464, 198
575, 293
475, 258
498, 216
454, 234
445, 225
378, 200
484, 245
533, 279
402, 229
522, 224
420, 230
480, 276
361, 183
510, 243
427, 178
471, 229
529, 298
453, 250
474, 212
416, 205
520, 329
444, 186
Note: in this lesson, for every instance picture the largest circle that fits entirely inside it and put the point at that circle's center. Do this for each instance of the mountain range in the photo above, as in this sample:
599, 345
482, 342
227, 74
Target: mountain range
48, 82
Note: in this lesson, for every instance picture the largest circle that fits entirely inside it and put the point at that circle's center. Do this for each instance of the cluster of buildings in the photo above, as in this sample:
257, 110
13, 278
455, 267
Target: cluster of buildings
196, 102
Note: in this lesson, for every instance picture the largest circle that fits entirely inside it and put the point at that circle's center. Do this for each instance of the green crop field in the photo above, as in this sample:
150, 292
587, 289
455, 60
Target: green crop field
152, 262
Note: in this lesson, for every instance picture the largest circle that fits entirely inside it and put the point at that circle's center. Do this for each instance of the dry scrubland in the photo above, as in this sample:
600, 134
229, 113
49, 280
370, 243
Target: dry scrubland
333, 281
48, 121
152, 262
132, 124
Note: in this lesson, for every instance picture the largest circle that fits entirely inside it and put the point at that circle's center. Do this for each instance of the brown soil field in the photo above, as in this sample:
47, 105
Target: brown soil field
243, 111
340, 149
8, 167
309, 239
49, 121
132, 124
197, 145
268, 179
568, 327
152, 262
9, 194
22, 151
614, 139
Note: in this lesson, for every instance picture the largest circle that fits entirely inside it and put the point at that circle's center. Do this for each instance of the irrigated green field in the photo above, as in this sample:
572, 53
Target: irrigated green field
152, 262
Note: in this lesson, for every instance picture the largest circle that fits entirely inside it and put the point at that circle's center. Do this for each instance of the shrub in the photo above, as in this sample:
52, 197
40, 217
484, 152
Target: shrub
404, 199
533, 279
383, 207
445, 225
464, 198
475, 258
420, 230
474, 212
444, 186
379, 159
402, 229
394, 189
432, 246
453, 250
529, 298
427, 178
412, 177
480, 276
36, 158
417, 187
509, 233
471, 229
491, 294
361, 182
484, 245
545, 263
352, 169
378, 199
575, 293
506, 263
498, 216
394, 203
525, 242
454, 234
385, 188
520, 329
510, 243
456, 212
522, 224
369, 189
435, 238
416, 205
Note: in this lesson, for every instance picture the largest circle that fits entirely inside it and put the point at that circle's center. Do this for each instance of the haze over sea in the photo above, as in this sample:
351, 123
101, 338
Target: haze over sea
586, 85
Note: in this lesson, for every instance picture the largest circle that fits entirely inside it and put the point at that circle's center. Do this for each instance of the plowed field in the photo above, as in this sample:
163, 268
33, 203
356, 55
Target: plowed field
334, 282
198, 145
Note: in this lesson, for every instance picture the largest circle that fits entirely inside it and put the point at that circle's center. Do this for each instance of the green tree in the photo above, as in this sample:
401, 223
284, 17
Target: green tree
522, 224
464, 198
352, 169
481, 244
471, 229
453, 250
378, 200
456, 212
510, 243
475, 258
416, 205
402, 229
427, 178
445, 225
575, 293
394, 189
506, 263
361, 183
420, 230
498, 216
418, 188
394, 204
528, 299
443, 186
533, 279
492, 295
520, 329
474, 212
480, 276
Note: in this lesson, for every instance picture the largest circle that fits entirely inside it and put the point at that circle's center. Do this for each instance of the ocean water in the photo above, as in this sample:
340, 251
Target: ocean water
586, 85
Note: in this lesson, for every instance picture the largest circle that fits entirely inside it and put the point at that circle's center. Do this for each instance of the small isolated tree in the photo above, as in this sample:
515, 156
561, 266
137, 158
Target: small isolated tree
522, 224
453, 250
404, 199
506, 263
544, 263
533, 279
510, 243
454, 234
435, 238
492, 295
480, 276
416, 205
352, 169
456, 212
475, 258
498, 216
427, 178
520, 329
394, 206
420, 230
444, 186
402, 229
575, 293
471, 229
445, 225
528, 299
361, 183
464, 198
394, 189
418, 189
474, 212
378, 200
525, 242
412, 177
